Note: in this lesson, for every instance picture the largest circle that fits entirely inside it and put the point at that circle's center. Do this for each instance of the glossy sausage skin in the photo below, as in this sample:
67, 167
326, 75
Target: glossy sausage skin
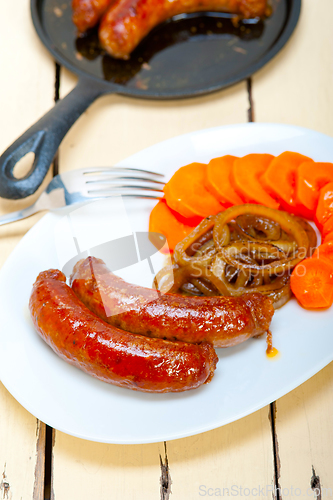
110, 354
87, 13
127, 22
222, 321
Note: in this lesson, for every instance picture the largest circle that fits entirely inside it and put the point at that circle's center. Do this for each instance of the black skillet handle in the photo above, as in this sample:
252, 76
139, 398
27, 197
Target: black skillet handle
44, 138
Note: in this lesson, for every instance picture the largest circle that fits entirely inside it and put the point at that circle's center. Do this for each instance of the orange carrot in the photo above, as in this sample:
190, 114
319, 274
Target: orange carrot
217, 181
312, 283
187, 221
245, 178
310, 179
328, 237
185, 192
327, 227
324, 251
325, 204
280, 177
163, 221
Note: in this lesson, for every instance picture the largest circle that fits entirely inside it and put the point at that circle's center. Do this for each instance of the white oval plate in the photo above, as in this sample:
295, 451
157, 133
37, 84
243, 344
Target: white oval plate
245, 380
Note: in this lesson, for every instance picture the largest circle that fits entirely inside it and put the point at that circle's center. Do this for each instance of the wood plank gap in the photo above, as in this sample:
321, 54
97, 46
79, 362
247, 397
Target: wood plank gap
57, 82
165, 478
315, 484
250, 111
277, 464
48, 477
4, 485
56, 99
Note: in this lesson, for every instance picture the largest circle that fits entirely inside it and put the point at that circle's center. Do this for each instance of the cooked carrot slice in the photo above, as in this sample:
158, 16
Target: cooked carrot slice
280, 177
304, 212
163, 221
325, 204
327, 227
328, 237
187, 221
311, 177
186, 194
245, 178
324, 251
218, 182
312, 283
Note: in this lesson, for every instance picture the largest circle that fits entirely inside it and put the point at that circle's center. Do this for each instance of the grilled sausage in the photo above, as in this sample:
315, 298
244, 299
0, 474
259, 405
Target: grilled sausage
87, 13
222, 321
127, 22
110, 354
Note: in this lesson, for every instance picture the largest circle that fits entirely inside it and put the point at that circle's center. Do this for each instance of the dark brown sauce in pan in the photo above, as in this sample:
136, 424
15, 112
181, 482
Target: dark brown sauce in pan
182, 32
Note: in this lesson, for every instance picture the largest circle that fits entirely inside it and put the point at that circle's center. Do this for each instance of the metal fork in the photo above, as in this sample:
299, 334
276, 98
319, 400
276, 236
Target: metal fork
89, 184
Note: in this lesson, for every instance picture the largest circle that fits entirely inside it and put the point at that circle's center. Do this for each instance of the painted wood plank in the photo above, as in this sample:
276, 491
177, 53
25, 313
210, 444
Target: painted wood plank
84, 470
27, 89
234, 460
296, 88
22, 439
304, 426
115, 127
187, 468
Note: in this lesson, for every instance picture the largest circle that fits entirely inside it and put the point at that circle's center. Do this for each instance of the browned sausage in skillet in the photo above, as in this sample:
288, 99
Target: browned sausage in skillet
87, 13
127, 22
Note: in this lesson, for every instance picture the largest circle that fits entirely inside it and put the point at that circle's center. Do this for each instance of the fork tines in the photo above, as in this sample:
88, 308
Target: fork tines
115, 179
107, 181
122, 170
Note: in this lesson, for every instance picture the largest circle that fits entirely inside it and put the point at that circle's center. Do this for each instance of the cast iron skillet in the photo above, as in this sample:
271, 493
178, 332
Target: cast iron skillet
188, 56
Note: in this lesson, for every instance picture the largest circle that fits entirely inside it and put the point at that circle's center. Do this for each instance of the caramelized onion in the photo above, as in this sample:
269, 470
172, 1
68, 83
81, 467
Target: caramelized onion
311, 233
258, 228
245, 249
278, 289
287, 222
235, 255
186, 247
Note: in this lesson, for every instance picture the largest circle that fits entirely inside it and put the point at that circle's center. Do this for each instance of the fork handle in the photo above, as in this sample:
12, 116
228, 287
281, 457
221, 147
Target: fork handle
44, 138
20, 214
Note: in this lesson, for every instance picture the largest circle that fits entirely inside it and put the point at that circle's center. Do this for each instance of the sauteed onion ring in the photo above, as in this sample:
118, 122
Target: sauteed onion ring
247, 248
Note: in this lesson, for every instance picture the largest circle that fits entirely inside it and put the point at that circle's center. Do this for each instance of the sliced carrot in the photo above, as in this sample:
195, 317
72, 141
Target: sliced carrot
301, 211
328, 237
325, 204
187, 221
279, 180
245, 178
186, 194
163, 221
327, 227
324, 251
312, 283
311, 177
217, 181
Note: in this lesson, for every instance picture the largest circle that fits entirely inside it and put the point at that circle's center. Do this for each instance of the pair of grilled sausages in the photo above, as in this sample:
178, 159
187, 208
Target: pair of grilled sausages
124, 23
101, 324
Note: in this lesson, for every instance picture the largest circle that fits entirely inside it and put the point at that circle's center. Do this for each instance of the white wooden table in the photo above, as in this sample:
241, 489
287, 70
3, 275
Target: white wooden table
287, 444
